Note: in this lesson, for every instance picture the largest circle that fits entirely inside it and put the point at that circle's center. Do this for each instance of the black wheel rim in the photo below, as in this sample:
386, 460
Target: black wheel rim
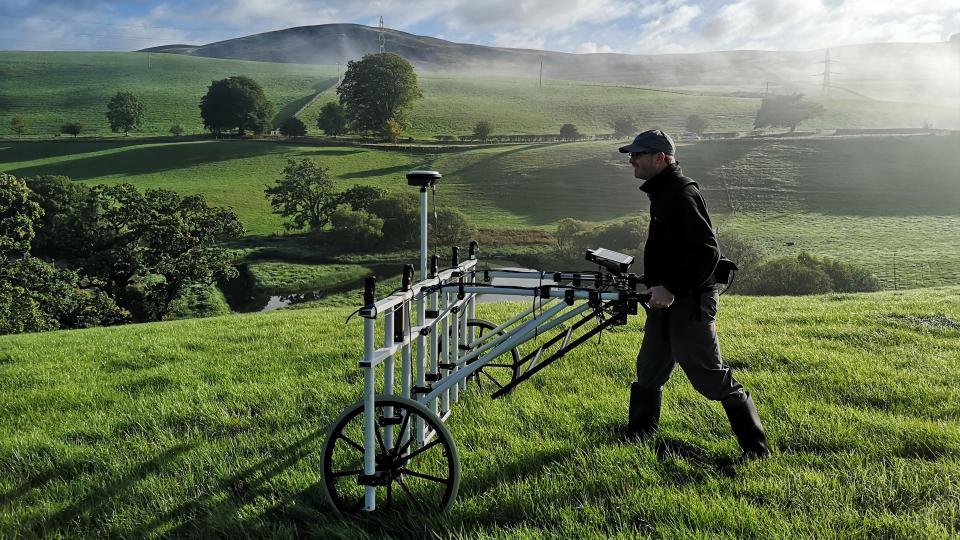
501, 370
410, 476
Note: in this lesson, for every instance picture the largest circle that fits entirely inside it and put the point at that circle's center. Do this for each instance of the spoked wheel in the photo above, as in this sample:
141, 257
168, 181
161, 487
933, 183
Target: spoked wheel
409, 476
499, 371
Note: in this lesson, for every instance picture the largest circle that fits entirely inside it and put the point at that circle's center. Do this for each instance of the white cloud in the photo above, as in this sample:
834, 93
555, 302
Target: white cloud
654, 26
589, 47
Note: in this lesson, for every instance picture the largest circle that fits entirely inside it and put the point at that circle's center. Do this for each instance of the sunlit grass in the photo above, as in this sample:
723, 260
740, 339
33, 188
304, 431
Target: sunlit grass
213, 427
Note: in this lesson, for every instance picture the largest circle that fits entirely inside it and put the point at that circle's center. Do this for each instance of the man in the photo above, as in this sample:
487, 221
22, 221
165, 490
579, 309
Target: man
679, 260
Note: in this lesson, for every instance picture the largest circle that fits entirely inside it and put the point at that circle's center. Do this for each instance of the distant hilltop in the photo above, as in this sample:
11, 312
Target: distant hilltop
788, 70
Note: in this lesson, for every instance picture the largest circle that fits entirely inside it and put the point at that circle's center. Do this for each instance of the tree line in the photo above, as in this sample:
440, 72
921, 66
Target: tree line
374, 99
73, 256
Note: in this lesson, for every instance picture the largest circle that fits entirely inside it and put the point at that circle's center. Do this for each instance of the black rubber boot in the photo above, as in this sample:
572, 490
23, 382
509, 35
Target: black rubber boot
747, 427
644, 414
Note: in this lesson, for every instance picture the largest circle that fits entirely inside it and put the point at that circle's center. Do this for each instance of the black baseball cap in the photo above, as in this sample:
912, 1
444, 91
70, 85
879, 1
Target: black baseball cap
653, 140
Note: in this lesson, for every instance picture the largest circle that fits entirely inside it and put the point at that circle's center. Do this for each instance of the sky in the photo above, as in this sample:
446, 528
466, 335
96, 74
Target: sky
578, 26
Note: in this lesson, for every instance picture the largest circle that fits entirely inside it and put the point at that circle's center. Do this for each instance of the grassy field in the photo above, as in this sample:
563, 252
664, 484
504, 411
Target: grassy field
889, 203
277, 277
228, 173
213, 427
50, 88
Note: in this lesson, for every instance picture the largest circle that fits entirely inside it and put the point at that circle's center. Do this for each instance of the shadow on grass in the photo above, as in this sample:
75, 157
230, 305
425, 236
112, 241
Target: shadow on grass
384, 171
31, 150
333, 152
191, 517
98, 498
152, 159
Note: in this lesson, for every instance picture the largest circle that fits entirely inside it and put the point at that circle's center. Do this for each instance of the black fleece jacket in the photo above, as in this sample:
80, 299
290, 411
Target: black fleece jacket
681, 250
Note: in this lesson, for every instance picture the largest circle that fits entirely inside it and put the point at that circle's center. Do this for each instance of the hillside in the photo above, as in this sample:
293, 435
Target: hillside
888, 203
49, 89
879, 71
212, 428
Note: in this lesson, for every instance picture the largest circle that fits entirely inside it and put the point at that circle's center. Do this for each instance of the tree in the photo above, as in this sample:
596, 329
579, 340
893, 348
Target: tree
176, 130
624, 127
696, 124
785, 111
393, 130
18, 211
376, 89
305, 193
65, 231
355, 230
451, 227
332, 119
400, 213
236, 102
482, 130
293, 127
125, 112
568, 132
18, 125
359, 197
71, 128
151, 246
35, 295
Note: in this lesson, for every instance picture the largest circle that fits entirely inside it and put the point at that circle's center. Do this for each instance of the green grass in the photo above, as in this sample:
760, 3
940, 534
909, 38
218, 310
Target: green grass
50, 88
213, 427
877, 201
277, 277
228, 173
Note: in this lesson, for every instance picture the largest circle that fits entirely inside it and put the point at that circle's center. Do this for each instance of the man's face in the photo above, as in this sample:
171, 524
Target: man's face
644, 164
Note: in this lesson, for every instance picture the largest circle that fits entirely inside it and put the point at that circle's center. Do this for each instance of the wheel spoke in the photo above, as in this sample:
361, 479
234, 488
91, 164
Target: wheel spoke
496, 382
422, 449
425, 476
349, 441
383, 447
410, 493
403, 429
389, 495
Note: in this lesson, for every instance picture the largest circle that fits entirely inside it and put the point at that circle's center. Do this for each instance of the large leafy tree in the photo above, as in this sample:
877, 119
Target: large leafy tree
332, 119
293, 127
305, 193
65, 231
151, 246
36, 295
376, 89
785, 111
125, 112
18, 211
236, 102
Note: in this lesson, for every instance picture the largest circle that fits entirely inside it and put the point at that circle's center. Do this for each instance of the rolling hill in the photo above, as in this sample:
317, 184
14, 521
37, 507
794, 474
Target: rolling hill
873, 71
49, 89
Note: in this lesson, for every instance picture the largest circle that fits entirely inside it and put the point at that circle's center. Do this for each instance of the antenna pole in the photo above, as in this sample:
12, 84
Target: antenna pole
541, 72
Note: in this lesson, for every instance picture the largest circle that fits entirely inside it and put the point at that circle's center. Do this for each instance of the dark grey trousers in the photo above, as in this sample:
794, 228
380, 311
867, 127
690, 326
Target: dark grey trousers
689, 339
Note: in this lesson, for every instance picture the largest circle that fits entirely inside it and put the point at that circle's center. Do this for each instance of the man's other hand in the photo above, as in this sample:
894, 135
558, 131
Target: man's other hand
660, 297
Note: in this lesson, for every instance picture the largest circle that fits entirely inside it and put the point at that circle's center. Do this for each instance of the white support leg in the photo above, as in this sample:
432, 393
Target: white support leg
369, 415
